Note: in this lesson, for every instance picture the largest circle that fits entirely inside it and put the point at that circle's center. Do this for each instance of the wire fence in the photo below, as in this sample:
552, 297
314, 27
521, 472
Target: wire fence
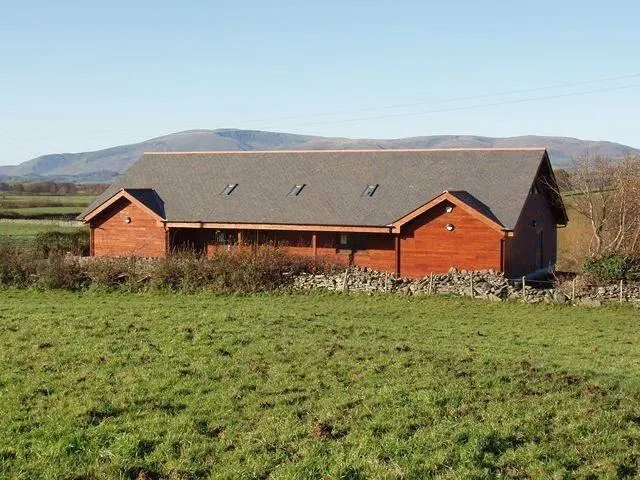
573, 289
576, 287
56, 222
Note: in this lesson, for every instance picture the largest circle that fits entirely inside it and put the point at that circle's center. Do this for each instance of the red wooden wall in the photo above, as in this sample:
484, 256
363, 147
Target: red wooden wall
379, 253
426, 245
113, 237
521, 248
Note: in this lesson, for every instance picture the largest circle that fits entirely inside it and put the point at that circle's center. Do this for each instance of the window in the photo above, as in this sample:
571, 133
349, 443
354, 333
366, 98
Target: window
224, 237
295, 191
370, 190
344, 243
349, 243
229, 188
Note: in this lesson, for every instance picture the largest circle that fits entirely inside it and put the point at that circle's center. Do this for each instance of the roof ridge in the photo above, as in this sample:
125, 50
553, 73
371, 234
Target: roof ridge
441, 149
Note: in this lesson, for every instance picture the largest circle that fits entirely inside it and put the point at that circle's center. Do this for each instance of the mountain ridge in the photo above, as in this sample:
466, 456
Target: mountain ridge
106, 164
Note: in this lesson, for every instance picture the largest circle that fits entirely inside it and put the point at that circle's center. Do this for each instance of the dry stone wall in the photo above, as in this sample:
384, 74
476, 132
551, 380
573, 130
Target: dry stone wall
485, 284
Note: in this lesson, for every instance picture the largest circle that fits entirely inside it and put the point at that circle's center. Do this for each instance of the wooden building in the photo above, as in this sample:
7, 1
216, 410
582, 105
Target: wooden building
408, 212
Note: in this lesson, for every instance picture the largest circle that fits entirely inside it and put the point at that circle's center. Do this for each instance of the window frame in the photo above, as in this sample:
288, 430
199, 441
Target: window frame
354, 243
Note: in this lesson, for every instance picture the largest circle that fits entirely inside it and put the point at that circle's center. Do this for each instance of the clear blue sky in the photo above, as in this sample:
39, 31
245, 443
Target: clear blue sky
84, 75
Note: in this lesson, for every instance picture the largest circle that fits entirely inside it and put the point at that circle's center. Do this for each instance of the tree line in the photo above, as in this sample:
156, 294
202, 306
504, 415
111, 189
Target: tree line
53, 188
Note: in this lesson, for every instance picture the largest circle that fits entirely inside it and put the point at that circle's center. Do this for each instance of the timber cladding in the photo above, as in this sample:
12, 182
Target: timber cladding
124, 229
427, 246
533, 245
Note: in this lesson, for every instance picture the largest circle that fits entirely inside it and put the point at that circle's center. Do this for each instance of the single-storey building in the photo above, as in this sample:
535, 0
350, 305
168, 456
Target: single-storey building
407, 212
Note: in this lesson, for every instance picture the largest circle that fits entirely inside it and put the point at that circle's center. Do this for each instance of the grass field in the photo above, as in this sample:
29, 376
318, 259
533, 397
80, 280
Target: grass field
39, 206
319, 386
23, 231
36, 212
86, 199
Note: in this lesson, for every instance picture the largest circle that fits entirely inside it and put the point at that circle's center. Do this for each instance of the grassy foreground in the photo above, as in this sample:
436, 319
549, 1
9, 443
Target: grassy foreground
296, 386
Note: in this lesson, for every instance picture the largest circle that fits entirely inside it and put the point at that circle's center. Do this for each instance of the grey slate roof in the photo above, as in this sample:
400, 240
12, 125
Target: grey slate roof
495, 181
150, 198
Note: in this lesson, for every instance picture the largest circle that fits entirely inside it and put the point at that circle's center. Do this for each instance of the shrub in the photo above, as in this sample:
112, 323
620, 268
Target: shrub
234, 270
127, 273
263, 269
75, 242
17, 265
182, 270
242, 270
63, 273
611, 266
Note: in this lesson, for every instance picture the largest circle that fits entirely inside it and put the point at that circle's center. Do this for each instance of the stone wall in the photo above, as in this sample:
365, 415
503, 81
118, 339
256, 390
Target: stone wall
486, 284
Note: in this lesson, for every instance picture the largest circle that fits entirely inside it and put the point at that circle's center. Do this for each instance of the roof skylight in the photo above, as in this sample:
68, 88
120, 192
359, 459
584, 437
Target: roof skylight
229, 188
370, 190
295, 191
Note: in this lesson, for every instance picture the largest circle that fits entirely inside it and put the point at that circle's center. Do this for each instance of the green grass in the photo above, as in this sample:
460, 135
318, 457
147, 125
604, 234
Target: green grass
25, 231
44, 198
35, 212
42, 206
319, 386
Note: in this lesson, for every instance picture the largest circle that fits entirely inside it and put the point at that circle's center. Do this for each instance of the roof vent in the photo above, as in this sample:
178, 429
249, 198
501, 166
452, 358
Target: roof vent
228, 189
295, 191
370, 190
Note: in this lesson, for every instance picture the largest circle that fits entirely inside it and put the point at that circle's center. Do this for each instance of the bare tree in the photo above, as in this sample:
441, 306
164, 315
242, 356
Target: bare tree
606, 194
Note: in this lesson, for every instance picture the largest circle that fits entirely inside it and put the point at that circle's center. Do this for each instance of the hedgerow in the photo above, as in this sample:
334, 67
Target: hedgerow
242, 270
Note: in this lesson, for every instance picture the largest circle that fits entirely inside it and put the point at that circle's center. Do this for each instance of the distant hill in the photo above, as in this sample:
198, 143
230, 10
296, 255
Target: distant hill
105, 165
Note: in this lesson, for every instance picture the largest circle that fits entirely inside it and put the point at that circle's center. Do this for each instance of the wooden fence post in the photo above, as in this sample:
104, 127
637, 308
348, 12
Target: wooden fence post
472, 292
524, 292
621, 296
345, 288
431, 283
